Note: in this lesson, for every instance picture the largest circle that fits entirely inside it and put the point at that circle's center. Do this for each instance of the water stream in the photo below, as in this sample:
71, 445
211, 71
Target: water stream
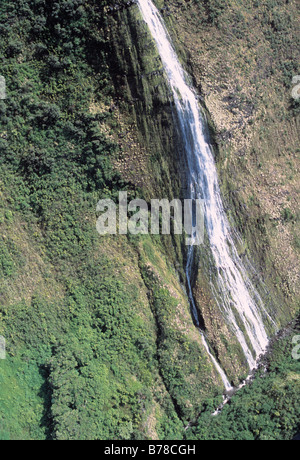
238, 300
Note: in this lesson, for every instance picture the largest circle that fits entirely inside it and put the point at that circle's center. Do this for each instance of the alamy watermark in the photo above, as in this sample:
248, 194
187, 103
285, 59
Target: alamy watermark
296, 89
160, 217
2, 347
296, 349
2, 87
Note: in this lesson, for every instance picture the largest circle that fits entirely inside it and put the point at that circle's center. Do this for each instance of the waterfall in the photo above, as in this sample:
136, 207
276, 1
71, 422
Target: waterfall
240, 303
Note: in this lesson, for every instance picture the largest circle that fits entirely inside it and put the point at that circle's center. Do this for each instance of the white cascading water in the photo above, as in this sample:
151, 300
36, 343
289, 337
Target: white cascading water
234, 286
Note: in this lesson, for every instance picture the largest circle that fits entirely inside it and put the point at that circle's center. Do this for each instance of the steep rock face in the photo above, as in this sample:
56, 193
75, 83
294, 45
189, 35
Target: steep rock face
243, 58
235, 109
154, 151
233, 92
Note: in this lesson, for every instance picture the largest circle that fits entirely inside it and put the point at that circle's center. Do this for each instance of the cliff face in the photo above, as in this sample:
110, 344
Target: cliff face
100, 339
243, 58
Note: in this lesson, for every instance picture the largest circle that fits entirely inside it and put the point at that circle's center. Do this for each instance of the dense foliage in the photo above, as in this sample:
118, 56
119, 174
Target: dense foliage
87, 358
82, 353
55, 165
268, 409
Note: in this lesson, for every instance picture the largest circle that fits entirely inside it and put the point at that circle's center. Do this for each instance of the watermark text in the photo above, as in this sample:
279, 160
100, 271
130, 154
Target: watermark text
296, 349
2, 88
2, 347
296, 89
160, 217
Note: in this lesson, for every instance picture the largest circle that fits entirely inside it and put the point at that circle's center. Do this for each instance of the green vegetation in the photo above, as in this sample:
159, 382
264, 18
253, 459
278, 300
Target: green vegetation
100, 340
82, 347
268, 409
91, 358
